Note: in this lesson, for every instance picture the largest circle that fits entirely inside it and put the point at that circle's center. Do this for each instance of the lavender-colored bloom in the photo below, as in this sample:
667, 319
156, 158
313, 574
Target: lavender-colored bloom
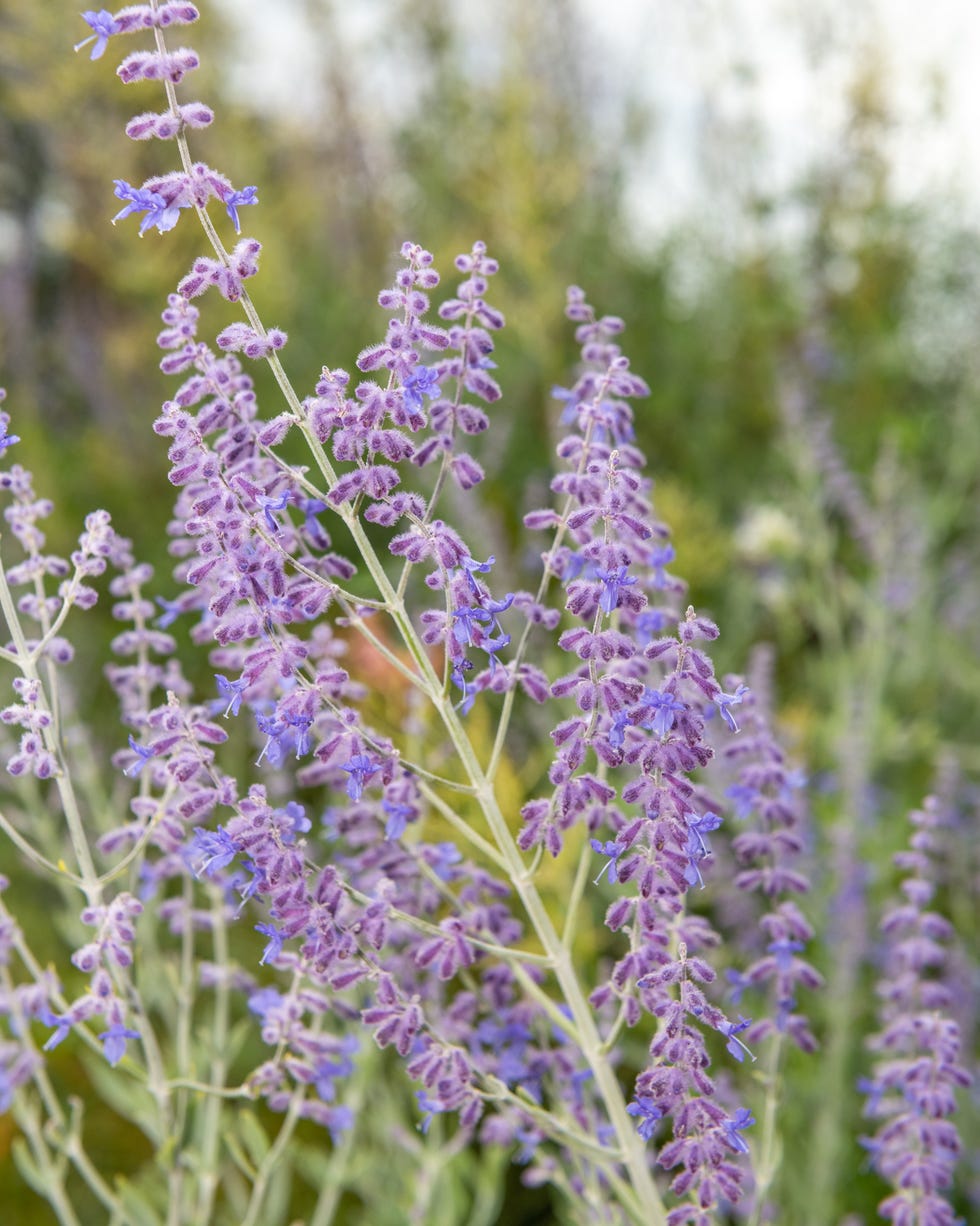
665, 708
6, 440
742, 1119
398, 818
212, 850
263, 999
744, 798
423, 381
104, 27
268, 505
234, 200
311, 508
465, 622
471, 568
648, 1113
114, 1041
143, 755
612, 849
274, 948
431, 1107
783, 950
698, 827
158, 212
233, 691
613, 581
277, 736
739, 983
727, 701
360, 768
658, 559
62, 1031
171, 611
735, 1046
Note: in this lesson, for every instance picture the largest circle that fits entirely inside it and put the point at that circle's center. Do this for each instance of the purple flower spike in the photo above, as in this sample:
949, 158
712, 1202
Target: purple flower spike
104, 26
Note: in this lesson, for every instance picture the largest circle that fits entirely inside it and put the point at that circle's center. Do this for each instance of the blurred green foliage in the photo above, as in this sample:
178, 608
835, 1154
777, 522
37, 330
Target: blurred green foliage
871, 601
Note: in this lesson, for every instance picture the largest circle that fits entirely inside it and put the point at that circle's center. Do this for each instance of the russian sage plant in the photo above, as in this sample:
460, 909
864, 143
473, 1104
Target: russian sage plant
322, 854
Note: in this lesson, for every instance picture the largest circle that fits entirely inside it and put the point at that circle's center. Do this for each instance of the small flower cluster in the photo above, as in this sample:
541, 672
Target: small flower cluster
918, 1070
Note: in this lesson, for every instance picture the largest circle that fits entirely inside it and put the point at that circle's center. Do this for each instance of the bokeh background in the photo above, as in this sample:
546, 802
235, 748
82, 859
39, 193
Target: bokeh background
781, 198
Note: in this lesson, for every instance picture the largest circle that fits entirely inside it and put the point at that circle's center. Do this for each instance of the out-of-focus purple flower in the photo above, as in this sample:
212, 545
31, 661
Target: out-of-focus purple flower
62, 1031
7, 440
103, 26
171, 611
113, 1041
262, 1000
398, 817
431, 1107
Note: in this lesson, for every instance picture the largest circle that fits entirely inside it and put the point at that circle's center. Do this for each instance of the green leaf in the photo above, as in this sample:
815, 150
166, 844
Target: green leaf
29, 1171
128, 1098
138, 1212
238, 1156
253, 1136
